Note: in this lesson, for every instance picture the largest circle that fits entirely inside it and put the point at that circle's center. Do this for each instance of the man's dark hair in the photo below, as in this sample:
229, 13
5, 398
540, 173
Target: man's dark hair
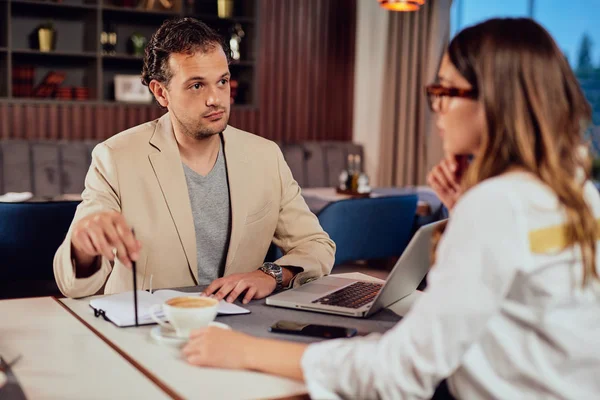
179, 35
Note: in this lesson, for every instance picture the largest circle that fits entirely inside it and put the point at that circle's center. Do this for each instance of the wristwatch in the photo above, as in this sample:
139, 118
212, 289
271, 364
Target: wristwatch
275, 271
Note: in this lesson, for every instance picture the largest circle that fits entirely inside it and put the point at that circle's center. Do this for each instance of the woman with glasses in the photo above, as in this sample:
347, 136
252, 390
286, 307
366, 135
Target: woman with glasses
446, 176
512, 308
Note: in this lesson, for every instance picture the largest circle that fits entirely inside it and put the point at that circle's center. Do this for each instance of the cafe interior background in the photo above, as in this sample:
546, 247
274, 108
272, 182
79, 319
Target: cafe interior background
338, 84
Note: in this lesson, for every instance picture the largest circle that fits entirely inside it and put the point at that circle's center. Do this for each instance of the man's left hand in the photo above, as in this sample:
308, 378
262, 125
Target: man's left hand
256, 284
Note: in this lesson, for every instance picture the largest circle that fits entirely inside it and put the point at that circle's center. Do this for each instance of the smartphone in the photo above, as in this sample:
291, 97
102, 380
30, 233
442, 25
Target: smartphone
322, 331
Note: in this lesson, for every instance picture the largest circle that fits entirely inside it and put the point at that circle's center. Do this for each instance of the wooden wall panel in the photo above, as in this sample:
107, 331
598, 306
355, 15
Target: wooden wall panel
306, 74
70, 121
305, 78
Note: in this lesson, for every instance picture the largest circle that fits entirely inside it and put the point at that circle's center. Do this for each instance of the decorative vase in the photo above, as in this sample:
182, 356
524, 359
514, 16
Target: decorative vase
225, 8
137, 44
46, 38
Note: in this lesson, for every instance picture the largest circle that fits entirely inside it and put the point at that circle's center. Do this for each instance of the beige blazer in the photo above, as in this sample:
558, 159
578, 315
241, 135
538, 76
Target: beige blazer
139, 173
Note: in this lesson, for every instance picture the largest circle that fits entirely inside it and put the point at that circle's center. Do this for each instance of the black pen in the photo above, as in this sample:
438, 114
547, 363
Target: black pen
133, 267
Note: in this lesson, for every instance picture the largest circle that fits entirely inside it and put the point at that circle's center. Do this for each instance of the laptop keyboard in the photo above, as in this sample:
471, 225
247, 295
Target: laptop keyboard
354, 296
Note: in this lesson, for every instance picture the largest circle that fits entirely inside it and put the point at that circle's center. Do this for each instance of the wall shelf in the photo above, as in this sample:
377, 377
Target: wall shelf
216, 18
139, 12
85, 55
50, 5
79, 54
122, 57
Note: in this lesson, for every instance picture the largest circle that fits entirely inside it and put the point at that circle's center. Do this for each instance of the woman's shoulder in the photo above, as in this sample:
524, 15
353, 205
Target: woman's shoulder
502, 187
507, 195
519, 191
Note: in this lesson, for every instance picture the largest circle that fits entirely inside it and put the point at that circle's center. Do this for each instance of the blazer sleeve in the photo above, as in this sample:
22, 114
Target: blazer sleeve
101, 193
298, 234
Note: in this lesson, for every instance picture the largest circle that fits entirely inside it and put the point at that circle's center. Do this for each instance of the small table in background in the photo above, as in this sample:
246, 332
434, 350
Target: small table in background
428, 207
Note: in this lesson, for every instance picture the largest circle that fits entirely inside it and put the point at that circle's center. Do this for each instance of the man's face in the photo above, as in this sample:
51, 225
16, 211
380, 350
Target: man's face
198, 93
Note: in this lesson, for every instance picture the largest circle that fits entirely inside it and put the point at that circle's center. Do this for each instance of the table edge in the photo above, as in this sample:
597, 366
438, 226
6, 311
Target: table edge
163, 386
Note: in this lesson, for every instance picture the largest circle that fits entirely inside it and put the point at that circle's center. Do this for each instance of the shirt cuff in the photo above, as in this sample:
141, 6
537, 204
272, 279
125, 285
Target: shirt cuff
311, 364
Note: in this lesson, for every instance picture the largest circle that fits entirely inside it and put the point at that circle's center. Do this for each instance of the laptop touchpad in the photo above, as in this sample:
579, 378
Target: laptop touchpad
315, 288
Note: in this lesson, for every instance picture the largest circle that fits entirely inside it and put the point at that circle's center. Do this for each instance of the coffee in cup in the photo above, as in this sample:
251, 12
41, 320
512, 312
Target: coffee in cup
191, 302
186, 313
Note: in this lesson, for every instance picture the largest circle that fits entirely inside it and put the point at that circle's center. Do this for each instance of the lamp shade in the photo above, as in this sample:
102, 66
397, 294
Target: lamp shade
401, 5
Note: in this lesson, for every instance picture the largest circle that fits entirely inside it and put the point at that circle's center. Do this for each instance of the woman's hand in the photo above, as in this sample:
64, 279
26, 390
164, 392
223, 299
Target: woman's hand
442, 179
218, 348
224, 348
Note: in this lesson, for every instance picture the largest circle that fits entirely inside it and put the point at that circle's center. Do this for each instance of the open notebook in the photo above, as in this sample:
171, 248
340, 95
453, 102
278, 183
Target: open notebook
118, 308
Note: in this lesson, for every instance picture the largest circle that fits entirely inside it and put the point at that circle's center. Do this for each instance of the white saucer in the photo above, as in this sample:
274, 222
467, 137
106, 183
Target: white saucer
167, 336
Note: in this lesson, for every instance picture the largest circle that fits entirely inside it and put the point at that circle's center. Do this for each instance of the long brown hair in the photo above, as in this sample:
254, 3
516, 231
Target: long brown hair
536, 114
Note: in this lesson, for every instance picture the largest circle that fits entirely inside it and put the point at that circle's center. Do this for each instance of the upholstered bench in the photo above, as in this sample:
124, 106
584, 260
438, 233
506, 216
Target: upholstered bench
52, 168
56, 169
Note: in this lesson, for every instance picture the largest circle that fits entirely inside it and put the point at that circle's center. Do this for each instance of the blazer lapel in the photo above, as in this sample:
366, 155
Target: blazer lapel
168, 169
236, 161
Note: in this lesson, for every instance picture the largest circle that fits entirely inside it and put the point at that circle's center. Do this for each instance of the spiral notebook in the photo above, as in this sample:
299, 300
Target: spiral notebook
119, 308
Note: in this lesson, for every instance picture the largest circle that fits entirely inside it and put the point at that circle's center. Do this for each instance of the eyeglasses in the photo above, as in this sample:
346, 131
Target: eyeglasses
437, 96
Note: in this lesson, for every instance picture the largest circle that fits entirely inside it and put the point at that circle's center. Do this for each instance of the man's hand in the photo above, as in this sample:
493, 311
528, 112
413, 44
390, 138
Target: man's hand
442, 179
99, 235
256, 284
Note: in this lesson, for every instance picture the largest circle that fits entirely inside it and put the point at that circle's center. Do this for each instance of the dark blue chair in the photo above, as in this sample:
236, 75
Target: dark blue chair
30, 234
369, 228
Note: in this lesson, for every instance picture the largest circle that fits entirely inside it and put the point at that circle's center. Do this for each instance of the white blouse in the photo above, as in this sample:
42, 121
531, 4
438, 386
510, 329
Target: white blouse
504, 314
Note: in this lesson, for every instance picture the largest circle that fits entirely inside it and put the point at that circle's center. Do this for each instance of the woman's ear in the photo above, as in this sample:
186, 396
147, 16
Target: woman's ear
160, 92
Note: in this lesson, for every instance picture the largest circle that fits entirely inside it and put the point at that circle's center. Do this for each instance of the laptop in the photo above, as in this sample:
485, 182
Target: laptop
356, 298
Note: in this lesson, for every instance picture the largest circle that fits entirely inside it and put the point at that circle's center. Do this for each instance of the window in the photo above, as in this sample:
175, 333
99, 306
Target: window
574, 26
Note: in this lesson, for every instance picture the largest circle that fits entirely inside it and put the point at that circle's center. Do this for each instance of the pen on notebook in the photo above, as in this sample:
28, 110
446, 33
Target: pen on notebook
133, 268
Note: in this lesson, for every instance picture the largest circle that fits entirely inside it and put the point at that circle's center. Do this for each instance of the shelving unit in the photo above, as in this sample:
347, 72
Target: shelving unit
78, 52
50, 4
54, 54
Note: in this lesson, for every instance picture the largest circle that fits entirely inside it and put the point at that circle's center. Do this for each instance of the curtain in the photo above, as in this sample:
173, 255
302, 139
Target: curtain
369, 72
408, 143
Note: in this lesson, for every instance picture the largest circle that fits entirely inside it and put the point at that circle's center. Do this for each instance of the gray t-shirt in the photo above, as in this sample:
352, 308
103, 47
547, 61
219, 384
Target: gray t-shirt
209, 196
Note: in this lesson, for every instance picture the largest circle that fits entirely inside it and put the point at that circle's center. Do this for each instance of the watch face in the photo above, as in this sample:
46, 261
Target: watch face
275, 271
272, 267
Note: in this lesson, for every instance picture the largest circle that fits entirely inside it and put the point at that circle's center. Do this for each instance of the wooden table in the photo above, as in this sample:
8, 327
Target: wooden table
62, 359
70, 354
164, 364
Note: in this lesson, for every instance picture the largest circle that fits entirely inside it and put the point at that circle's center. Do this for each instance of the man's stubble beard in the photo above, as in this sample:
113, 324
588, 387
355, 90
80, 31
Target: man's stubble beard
202, 133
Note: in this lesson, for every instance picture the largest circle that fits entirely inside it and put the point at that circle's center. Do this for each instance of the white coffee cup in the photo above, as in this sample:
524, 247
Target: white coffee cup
186, 313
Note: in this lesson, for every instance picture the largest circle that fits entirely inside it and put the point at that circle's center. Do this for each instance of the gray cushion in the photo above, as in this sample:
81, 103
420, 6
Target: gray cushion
336, 161
16, 166
294, 157
51, 168
46, 169
315, 165
75, 161
318, 164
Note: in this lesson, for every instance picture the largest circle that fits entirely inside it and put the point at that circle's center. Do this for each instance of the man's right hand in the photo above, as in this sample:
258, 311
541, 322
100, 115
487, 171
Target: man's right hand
442, 178
101, 234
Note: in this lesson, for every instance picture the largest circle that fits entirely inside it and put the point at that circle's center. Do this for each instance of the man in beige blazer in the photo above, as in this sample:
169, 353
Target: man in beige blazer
139, 179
